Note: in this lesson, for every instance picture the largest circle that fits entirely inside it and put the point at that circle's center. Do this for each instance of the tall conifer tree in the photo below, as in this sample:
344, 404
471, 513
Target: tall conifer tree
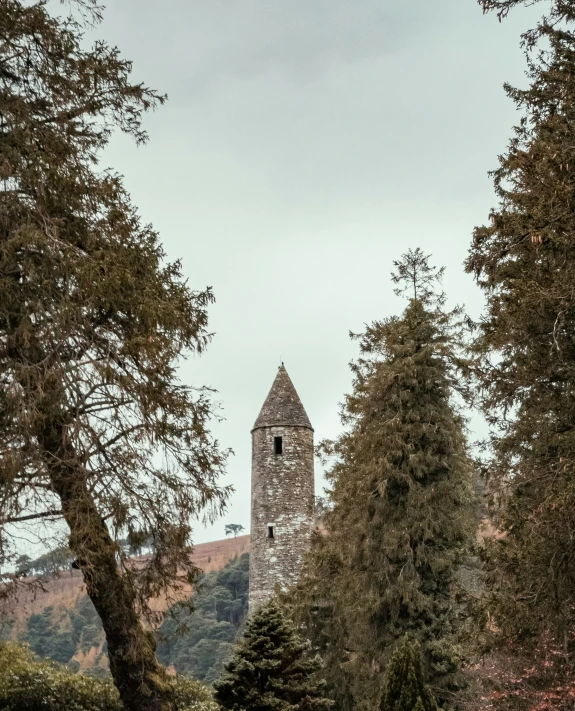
524, 260
401, 518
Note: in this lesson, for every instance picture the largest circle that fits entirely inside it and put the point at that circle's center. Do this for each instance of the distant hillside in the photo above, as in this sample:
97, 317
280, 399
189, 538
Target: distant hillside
207, 633
62, 624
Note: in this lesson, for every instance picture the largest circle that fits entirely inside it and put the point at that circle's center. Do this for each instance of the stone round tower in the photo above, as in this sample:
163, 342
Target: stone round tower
282, 490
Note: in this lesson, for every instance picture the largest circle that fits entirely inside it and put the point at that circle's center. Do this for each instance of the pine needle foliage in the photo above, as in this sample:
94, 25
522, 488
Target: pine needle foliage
524, 260
95, 428
557, 12
272, 668
404, 686
401, 520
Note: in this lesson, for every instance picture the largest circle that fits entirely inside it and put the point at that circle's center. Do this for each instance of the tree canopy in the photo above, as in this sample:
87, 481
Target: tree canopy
196, 638
272, 668
404, 687
30, 684
95, 427
524, 260
559, 10
401, 520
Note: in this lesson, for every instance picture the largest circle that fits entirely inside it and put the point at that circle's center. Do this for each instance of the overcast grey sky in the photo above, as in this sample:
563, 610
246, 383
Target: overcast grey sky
305, 145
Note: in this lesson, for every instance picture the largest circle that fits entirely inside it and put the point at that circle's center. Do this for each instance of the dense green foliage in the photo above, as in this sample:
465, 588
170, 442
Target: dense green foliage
52, 562
272, 668
404, 687
195, 638
60, 636
96, 430
46, 641
27, 684
219, 608
524, 260
402, 518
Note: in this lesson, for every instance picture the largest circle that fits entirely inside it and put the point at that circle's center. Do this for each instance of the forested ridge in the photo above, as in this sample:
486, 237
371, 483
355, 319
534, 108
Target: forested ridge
198, 632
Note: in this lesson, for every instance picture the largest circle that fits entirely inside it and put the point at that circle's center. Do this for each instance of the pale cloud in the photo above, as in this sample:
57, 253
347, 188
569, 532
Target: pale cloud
305, 145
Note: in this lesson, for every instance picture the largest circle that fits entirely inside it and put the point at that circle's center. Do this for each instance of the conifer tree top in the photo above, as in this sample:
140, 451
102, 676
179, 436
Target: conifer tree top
282, 405
272, 668
404, 687
401, 520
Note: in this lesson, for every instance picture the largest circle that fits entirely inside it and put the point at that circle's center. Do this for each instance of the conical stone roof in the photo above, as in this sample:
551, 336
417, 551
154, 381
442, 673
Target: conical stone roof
282, 405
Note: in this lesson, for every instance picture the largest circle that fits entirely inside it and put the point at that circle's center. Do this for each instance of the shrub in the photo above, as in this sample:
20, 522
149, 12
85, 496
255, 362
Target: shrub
27, 684
192, 695
404, 687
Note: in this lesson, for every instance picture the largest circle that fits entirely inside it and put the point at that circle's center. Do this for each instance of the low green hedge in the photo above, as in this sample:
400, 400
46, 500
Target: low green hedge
30, 684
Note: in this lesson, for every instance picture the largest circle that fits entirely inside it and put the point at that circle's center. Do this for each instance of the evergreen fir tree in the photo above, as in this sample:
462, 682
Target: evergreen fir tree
272, 668
524, 260
402, 518
404, 687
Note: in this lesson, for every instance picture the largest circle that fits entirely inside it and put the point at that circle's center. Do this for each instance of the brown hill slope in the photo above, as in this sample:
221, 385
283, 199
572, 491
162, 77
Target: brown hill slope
63, 592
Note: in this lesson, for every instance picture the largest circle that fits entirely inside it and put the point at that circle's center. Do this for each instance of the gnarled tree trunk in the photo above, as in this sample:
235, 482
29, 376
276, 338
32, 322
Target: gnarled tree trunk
141, 681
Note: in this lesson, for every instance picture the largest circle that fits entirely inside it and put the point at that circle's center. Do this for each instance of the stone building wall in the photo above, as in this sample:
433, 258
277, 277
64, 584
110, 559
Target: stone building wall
282, 497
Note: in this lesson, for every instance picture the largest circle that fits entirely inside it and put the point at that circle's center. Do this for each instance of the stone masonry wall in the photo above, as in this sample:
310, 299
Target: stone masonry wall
282, 496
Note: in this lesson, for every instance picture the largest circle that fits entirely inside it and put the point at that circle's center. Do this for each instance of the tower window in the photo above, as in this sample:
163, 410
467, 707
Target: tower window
270, 531
278, 445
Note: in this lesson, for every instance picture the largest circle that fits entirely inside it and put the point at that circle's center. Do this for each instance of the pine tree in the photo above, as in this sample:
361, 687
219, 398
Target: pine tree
404, 687
97, 435
272, 668
524, 260
401, 520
